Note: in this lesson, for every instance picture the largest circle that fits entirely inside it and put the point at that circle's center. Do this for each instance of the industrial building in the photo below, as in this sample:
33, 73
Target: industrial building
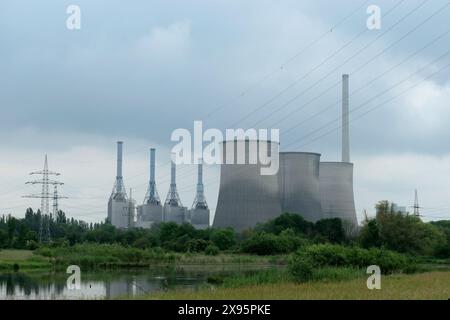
120, 208
151, 211
123, 213
304, 185
245, 196
199, 213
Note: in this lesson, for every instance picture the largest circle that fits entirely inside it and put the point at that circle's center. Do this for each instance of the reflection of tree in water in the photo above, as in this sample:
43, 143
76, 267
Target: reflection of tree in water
19, 280
31, 284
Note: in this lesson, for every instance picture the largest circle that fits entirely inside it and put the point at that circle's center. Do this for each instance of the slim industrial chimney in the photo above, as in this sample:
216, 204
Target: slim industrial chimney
200, 200
119, 159
173, 199
119, 188
152, 196
345, 121
118, 208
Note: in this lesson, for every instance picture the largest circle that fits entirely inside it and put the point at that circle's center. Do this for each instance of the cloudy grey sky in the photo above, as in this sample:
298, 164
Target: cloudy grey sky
137, 71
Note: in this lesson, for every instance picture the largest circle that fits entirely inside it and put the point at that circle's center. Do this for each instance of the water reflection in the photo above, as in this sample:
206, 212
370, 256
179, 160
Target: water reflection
112, 284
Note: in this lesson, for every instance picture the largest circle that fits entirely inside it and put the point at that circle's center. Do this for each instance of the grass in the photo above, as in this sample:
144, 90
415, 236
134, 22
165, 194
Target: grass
15, 255
22, 260
431, 285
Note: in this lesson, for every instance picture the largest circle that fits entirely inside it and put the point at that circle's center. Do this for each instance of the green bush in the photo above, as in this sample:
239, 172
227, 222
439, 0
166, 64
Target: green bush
224, 239
301, 267
327, 255
212, 250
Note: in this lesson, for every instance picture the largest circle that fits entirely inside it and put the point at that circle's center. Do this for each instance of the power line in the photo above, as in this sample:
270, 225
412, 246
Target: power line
297, 80
365, 85
289, 60
370, 110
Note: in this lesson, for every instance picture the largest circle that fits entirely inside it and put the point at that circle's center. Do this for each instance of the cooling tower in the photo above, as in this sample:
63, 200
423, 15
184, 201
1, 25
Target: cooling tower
336, 178
151, 210
299, 184
246, 197
336, 187
118, 206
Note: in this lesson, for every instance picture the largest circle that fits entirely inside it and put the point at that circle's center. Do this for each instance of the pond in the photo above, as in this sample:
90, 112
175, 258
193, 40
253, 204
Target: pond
110, 284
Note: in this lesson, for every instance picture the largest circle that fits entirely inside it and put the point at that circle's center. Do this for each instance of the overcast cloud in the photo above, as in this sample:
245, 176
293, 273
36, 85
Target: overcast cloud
137, 71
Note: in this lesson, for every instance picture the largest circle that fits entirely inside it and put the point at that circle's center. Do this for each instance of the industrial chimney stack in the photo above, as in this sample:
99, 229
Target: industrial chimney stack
152, 196
119, 159
173, 209
118, 208
119, 188
199, 213
345, 121
173, 199
200, 200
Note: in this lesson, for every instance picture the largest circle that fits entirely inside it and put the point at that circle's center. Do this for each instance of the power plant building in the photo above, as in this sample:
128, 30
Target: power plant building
299, 184
199, 213
119, 214
173, 208
336, 178
303, 185
151, 211
245, 196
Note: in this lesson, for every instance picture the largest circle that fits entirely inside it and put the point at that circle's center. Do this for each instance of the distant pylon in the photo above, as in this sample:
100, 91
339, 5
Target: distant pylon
45, 198
416, 204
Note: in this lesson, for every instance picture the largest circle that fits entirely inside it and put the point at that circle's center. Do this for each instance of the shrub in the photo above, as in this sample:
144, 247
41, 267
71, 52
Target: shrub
197, 245
262, 243
224, 239
301, 267
212, 250
327, 255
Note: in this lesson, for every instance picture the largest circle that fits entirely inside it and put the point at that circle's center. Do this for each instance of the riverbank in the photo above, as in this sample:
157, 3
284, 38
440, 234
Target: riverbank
92, 257
429, 285
24, 260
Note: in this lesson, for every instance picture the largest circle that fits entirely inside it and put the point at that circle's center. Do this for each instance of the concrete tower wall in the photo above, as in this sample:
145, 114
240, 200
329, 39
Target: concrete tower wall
336, 187
299, 184
245, 196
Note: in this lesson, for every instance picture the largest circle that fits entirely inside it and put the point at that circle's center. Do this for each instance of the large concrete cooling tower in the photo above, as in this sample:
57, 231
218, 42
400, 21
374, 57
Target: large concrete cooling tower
299, 184
246, 197
336, 187
336, 178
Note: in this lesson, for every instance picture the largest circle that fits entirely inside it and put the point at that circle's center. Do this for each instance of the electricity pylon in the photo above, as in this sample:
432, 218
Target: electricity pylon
45, 197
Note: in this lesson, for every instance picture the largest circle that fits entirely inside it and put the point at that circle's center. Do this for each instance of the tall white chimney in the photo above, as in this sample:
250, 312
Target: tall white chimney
152, 166
119, 159
345, 121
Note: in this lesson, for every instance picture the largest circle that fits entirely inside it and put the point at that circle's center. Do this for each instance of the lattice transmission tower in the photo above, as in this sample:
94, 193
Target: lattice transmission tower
45, 196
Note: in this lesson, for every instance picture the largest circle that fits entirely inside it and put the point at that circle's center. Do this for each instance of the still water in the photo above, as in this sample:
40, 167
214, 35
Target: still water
113, 284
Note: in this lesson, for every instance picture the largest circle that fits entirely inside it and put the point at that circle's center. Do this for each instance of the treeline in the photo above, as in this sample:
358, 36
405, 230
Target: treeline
285, 234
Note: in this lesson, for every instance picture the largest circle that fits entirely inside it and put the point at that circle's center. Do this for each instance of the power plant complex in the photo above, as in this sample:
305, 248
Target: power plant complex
303, 185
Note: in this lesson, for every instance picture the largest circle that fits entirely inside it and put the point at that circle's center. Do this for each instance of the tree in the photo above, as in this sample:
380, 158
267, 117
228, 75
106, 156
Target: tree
224, 239
287, 221
400, 232
331, 229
